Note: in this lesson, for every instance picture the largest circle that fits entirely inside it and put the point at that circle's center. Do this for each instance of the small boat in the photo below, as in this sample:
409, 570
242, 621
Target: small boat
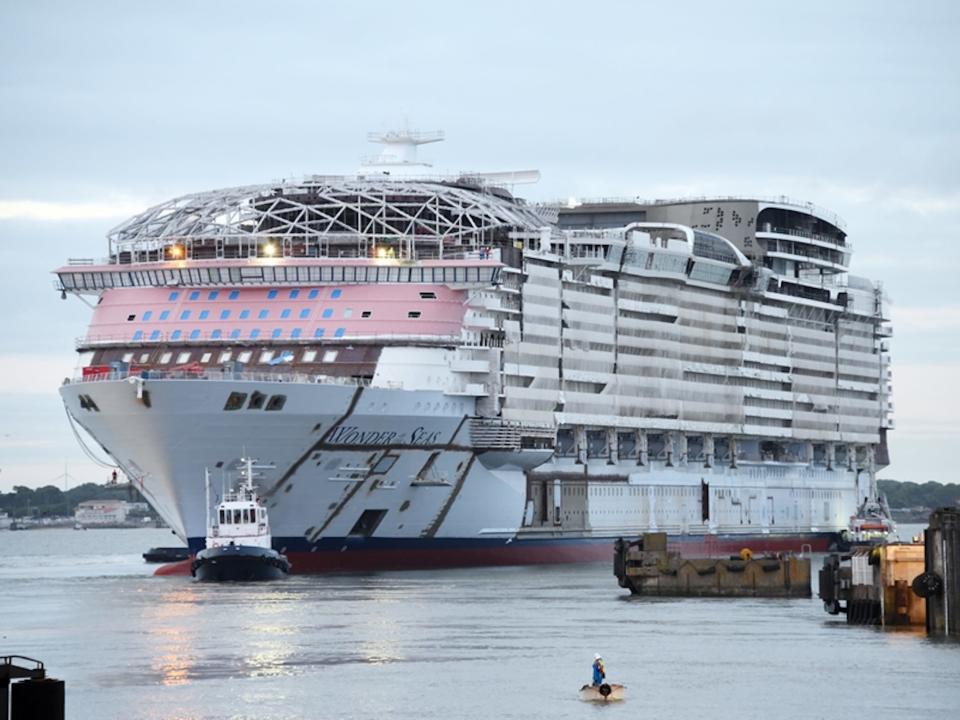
605, 692
166, 554
871, 525
238, 544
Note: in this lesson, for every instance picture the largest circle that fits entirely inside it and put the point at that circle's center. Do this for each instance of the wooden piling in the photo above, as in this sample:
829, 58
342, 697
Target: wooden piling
940, 583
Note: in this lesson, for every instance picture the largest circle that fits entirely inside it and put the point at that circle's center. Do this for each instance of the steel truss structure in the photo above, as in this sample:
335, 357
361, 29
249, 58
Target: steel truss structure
322, 216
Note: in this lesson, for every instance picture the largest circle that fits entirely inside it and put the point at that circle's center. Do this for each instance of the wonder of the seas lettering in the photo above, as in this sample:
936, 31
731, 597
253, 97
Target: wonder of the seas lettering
353, 435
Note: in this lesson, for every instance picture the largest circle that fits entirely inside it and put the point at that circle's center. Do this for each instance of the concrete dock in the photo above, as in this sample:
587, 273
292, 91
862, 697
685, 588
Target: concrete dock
900, 584
872, 585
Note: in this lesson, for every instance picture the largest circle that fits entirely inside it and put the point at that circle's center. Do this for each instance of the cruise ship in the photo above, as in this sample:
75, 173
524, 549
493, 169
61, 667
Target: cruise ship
439, 373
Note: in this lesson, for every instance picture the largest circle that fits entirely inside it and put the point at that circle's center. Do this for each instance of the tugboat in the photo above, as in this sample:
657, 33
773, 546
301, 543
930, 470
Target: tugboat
871, 525
238, 537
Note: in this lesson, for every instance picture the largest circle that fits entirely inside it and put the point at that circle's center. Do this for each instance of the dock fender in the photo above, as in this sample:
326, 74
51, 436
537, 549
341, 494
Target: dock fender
605, 689
927, 585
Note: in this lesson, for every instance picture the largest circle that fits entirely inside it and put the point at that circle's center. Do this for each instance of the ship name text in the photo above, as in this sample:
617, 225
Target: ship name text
353, 435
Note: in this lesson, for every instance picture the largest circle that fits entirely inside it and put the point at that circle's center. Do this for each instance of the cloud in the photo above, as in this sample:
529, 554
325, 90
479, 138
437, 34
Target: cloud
50, 472
928, 204
53, 211
926, 398
926, 319
11, 443
32, 374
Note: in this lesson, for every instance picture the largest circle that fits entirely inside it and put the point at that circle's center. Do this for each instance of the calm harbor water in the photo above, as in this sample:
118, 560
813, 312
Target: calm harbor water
478, 643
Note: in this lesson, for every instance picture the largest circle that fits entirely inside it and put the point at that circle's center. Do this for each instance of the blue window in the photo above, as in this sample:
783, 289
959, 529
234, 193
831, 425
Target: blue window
164, 314
313, 294
138, 335
295, 333
294, 294
285, 313
147, 315
335, 294
173, 296
175, 335
185, 315
155, 335
195, 295
276, 333
224, 314
255, 333
234, 333
262, 315
234, 294
204, 314
215, 335
271, 295
212, 295
304, 314
194, 334
328, 313
339, 332
318, 332
244, 314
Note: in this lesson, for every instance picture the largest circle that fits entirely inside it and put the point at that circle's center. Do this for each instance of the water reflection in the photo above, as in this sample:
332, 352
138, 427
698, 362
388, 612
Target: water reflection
170, 623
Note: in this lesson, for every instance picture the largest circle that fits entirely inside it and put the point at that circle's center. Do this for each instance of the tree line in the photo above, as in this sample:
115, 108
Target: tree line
51, 501
929, 495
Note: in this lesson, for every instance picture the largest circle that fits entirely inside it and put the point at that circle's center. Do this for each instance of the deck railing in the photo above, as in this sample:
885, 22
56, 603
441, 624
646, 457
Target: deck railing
217, 374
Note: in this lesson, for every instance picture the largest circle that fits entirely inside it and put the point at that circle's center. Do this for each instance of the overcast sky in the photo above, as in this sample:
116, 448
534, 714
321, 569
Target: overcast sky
109, 107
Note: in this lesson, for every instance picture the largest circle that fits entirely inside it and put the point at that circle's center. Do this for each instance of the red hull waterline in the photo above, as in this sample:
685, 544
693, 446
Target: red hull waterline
519, 553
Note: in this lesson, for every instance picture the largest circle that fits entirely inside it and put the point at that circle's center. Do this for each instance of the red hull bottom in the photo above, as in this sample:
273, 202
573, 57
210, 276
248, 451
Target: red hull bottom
520, 552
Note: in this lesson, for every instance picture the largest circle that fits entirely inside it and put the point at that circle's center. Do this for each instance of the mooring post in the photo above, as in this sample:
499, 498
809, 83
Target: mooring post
942, 575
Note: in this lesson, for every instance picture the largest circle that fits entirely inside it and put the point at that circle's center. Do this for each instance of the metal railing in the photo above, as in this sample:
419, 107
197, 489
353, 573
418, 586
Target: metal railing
777, 199
300, 247
207, 338
220, 375
831, 240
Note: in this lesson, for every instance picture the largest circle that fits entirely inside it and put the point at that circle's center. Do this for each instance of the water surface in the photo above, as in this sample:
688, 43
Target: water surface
477, 643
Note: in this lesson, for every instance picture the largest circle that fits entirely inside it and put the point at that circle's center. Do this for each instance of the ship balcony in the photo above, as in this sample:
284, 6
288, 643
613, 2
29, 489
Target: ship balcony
474, 320
491, 304
465, 365
469, 390
810, 259
805, 237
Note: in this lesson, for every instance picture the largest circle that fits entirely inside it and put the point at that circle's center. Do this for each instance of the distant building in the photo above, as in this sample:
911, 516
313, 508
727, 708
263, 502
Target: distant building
101, 512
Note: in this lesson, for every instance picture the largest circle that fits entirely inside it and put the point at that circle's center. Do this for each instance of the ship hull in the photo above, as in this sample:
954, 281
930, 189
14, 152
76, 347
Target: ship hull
375, 479
351, 555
